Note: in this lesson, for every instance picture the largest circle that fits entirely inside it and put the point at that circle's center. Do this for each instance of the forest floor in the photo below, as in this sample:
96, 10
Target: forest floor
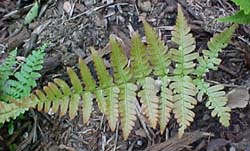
73, 26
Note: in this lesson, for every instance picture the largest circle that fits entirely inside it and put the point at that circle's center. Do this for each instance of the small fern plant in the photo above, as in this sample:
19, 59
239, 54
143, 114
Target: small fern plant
135, 79
240, 17
19, 84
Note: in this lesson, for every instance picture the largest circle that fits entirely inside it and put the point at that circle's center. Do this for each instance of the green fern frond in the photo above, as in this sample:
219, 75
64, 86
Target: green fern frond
217, 101
6, 72
21, 86
27, 76
111, 92
210, 61
141, 68
160, 61
6, 68
239, 17
127, 96
90, 86
183, 88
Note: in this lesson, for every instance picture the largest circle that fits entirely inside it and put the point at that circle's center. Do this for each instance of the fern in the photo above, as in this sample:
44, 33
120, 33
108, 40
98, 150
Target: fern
240, 17
210, 61
6, 72
122, 77
26, 77
21, 86
160, 60
244, 5
183, 88
134, 79
140, 66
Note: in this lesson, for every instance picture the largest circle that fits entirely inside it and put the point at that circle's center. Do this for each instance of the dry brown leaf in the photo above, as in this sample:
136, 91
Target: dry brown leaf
141, 132
67, 7
238, 98
144, 5
217, 144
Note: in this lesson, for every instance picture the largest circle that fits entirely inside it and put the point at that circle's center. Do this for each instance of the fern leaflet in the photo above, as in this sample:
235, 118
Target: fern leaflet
160, 60
141, 68
122, 77
183, 88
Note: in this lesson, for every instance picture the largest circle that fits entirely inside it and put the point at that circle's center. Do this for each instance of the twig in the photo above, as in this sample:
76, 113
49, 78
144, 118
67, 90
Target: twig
88, 12
228, 70
17, 11
116, 136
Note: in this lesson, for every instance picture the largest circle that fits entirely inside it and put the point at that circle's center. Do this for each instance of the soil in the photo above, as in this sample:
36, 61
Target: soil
90, 23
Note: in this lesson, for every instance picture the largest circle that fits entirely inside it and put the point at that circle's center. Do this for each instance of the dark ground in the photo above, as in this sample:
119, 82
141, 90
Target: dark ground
89, 24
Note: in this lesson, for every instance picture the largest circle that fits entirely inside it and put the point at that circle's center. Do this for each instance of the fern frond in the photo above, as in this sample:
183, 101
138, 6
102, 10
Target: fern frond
66, 93
141, 69
244, 5
10, 111
160, 61
90, 86
6, 71
150, 100
116, 94
111, 93
239, 17
158, 55
27, 76
183, 88
127, 96
217, 103
166, 105
139, 60
210, 59
21, 87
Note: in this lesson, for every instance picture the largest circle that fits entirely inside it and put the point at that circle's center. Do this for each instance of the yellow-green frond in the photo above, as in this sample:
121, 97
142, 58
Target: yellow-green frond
183, 86
166, 105
74, 80
105, 79
112, 106
87, 104
127, 108
150, 100
157, 51
86, 76
139, 59
127, 96
119, 62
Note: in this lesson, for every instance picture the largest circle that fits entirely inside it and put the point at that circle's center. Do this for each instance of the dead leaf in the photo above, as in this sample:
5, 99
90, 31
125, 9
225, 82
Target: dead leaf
144, 5
178, 144
238, 98
216, 144
141, 132
67, 6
